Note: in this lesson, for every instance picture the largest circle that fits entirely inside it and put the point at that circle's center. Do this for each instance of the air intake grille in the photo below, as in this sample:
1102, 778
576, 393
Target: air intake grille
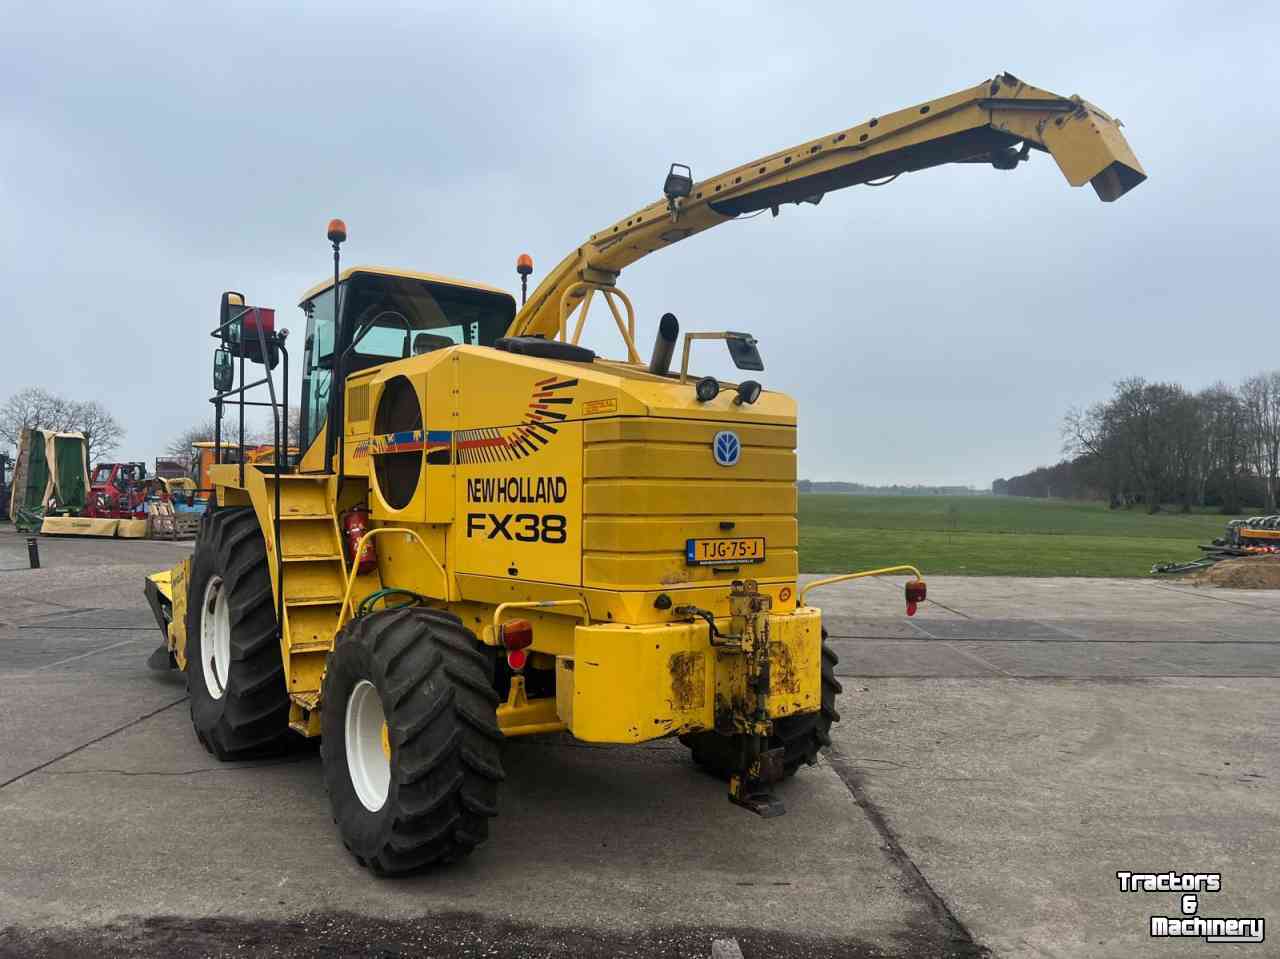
358, 403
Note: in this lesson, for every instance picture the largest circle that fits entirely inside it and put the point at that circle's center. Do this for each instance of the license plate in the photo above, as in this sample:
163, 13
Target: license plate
740, 549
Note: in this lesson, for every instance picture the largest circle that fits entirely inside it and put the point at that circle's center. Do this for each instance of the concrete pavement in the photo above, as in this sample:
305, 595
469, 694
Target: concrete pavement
1002, 754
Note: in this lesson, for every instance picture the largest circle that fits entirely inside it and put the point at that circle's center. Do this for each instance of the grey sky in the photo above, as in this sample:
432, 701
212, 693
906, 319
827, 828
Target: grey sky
932, 331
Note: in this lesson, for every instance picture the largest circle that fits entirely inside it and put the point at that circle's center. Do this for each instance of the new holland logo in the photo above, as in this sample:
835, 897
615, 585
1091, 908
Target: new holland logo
727, 448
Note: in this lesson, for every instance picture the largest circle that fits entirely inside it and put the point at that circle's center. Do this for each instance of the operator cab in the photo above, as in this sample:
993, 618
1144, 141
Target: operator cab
384, 316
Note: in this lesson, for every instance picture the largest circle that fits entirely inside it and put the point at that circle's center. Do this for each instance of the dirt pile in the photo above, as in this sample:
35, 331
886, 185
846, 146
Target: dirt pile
1251, 572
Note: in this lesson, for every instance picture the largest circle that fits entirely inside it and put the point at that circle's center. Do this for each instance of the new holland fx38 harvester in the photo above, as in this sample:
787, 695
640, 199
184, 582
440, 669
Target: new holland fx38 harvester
492, 531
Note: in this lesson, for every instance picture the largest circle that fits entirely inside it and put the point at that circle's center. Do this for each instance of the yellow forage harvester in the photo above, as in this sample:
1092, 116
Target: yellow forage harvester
491, 531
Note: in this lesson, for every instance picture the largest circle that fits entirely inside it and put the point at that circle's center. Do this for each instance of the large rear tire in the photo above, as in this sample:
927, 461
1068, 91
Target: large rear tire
801, 736
410, 740
239, 702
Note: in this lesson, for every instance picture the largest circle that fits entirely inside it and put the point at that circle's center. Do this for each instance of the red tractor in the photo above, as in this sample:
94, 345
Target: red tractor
117, 491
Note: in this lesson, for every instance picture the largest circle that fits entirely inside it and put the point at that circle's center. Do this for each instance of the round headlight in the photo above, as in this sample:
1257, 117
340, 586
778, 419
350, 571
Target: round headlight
748, 392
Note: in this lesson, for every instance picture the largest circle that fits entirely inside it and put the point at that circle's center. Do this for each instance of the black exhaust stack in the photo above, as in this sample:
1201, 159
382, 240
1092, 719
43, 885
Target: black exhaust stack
664, 346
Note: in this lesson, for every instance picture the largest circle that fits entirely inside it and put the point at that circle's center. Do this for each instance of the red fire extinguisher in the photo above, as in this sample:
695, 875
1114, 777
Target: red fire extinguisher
355, 523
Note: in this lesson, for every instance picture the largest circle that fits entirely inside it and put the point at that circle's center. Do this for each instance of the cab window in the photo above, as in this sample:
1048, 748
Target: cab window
317, 364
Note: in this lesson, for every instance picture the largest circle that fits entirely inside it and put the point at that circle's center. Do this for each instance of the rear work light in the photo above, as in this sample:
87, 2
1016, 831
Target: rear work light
915, 595
516, 636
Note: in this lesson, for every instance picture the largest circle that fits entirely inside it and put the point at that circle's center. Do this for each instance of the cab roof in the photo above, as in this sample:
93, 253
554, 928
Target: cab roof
406, 274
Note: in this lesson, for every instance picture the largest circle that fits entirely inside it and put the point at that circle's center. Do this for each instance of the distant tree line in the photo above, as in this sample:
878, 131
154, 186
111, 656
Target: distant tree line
824, 486
1158, 444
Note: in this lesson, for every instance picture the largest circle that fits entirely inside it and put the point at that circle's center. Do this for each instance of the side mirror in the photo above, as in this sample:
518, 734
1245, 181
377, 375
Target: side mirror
238, 326
743, 351
223, 374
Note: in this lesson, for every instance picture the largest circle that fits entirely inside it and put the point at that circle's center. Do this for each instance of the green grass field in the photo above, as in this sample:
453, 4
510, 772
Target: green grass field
990, 536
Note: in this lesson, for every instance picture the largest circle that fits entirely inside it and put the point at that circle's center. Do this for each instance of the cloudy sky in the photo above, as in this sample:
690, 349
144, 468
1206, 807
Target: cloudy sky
933, 331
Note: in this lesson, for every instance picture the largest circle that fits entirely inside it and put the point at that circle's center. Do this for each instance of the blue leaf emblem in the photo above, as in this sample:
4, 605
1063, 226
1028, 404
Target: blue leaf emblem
727, 448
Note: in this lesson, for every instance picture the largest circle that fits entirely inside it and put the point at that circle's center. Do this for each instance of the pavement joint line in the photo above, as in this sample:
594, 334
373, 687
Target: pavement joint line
107, 735
978, 659
92, 652
1216, 599
229, 767
949, 609
71, 611
923, 889
1062, 629
915, 625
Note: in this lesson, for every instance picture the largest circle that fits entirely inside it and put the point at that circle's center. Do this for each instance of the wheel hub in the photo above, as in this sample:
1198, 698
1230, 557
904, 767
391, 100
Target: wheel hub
368, 746
215, 637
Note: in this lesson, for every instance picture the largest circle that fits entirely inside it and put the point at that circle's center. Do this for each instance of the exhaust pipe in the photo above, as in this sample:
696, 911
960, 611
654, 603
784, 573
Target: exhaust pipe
664, 345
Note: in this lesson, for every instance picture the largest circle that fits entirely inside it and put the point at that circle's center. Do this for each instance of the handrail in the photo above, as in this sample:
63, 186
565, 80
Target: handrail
831, 580
279, 429
688, 347
586, 290
355, 565
540, 604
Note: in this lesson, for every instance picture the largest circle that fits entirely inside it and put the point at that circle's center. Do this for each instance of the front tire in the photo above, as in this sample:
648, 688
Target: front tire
410, 740
801, 736
235, 675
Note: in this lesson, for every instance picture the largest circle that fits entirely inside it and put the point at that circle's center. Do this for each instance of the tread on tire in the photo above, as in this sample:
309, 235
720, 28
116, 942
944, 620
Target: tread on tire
251, 718
434, 683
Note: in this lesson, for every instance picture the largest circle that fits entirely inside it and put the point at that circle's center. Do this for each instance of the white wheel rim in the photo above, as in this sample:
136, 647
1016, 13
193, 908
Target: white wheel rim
368, 751
215, 638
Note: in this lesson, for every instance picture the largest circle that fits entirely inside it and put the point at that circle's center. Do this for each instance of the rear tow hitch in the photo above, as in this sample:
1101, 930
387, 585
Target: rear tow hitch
749, 609
746, 788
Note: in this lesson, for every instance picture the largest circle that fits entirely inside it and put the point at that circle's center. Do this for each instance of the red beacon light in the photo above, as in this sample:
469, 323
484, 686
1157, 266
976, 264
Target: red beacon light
516, 635
916, 593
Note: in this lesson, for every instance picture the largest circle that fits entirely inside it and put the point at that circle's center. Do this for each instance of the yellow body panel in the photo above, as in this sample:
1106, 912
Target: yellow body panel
628, 685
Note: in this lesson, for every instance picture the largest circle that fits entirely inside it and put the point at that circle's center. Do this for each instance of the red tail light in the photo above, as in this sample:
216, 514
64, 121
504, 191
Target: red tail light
916, 593
516, 634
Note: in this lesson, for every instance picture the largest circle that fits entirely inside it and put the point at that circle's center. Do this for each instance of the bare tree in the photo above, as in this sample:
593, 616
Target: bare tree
179, 447
29, 409
1261, 397
1086, 436
265, 435
36, 408
1187, 453
102, 431
1225, 437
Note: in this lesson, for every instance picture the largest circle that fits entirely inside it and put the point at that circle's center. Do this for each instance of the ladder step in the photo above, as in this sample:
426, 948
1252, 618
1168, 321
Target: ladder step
312, 516
312, 600
311, 647
312, 557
